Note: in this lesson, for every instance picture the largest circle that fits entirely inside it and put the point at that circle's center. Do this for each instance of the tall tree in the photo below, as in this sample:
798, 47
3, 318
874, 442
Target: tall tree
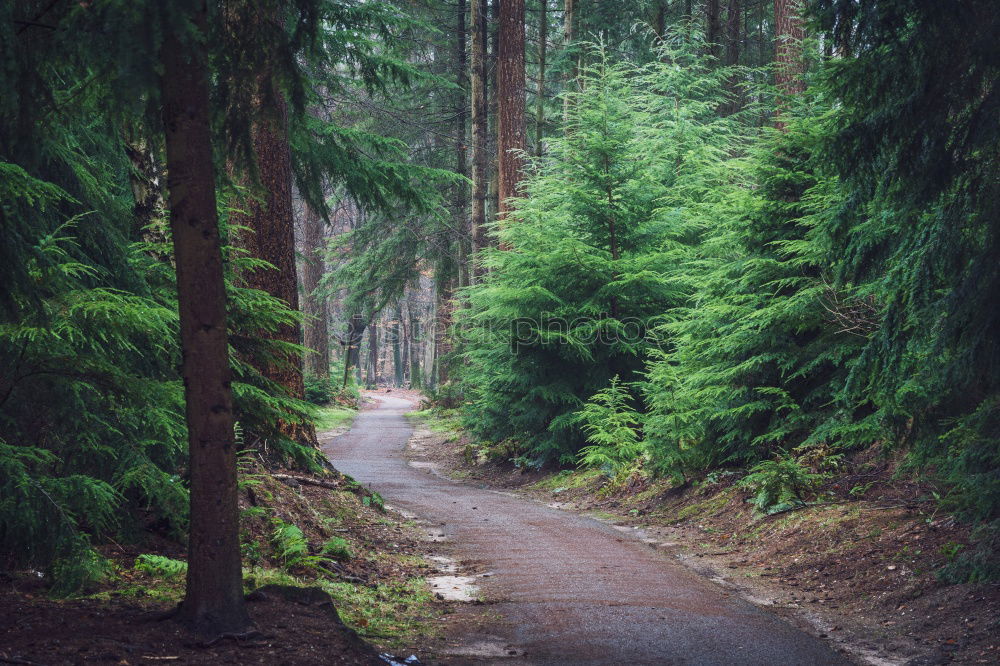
543, 38
714, 27
479, 129
316, 324
512, 140
568, 10
269, 216
213, 601
734, 16
788, 35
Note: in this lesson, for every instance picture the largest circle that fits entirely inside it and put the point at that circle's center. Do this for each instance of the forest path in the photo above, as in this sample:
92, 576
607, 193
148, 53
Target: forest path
568, 589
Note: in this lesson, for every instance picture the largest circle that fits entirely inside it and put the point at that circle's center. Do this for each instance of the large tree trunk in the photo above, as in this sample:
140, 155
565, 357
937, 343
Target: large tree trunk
512, 140
788, 49
543, 37
213, 601
789, 34
317, 332
479, 132
273, 234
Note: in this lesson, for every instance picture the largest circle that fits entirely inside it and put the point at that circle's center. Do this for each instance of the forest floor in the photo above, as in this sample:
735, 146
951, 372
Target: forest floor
351, 584
858, 573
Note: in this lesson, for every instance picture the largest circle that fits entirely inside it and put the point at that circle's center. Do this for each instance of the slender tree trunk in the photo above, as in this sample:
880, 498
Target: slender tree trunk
713, 28
372, 370
788, 34
415, 377
317, 333
213, 601
493, 190
734, 16
571, 74
273, 237
355, 331
461, 151
443, 321
543, 38
660, 19
512, 140
397, 357
479, 132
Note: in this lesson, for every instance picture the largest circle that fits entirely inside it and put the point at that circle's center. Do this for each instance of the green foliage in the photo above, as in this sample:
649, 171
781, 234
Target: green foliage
160, 567
319, 390
338, 548
290, 545
780, 483
592, 246
613, 429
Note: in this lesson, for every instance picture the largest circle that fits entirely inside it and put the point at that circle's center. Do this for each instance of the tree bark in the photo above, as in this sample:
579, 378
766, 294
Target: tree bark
571, 73
788, 36
511, 129
273, 233
734, 15
543, 38
415, 377
461, 147
316, 327
479, 133
356, 325
213, 601
714, 27
397, 359
372, 369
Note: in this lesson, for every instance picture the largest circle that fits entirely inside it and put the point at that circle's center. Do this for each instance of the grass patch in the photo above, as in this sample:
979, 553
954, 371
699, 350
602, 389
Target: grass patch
395, 613
333, 418
568, 479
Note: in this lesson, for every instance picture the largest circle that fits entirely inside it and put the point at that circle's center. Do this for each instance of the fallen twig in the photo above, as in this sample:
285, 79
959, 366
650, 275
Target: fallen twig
307, 481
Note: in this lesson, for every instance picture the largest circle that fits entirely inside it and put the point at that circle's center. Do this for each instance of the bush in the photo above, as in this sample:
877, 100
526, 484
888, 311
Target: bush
338, 548
780, 483
319, 390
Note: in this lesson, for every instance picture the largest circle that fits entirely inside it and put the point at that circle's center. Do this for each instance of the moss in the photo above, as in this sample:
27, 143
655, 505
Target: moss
707, 507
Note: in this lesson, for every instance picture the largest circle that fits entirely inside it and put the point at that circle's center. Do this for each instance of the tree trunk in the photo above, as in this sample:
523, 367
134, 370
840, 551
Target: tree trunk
492, 195
571, 73
415, 378
734, 16
714, 27
397, 358
512, 140
443, 321
273, 234
372, 370
317, 333
479, 133
461, 150
543, 37
213, 601
788, 37
355, 331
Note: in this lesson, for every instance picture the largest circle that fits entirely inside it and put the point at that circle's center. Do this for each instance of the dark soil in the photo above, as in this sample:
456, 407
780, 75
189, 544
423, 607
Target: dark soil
36, 630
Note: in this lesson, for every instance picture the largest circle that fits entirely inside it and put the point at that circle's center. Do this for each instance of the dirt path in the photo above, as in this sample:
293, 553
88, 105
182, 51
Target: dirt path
568, 589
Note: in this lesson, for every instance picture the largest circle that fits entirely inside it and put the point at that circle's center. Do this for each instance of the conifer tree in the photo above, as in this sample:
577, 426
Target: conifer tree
213, 601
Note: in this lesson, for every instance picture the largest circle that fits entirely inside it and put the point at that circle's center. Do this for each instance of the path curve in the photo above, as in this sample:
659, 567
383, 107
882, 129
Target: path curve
570, 590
